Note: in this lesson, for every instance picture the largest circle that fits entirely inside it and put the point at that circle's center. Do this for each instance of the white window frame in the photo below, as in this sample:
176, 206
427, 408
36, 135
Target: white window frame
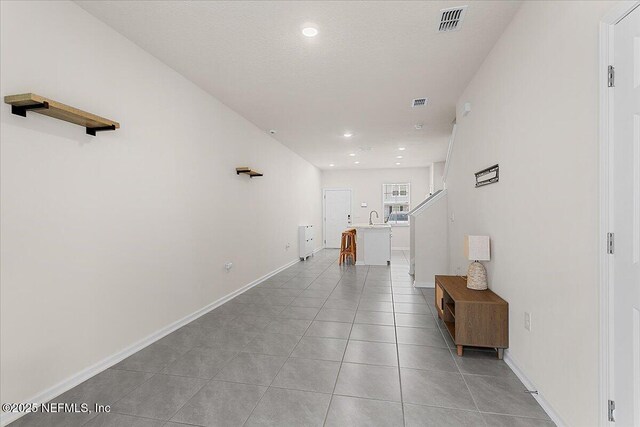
385, 203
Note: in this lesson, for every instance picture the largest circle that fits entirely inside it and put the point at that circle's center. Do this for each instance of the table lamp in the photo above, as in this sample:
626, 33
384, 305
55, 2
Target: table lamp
476, 249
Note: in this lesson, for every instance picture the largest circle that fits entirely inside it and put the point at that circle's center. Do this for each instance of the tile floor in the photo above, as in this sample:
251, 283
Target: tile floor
317, 344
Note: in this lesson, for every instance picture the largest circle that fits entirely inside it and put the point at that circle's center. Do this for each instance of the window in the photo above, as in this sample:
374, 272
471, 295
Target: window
396, 199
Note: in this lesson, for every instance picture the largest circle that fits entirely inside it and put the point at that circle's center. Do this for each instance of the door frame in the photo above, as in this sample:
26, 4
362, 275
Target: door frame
324, 209
606, 114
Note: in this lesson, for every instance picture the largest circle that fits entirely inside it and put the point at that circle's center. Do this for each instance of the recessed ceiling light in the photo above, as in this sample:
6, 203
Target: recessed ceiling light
419, 126
398, 157
401, 148
352, 154
310, 31
347, 135
331, 165
397, 163
357, 163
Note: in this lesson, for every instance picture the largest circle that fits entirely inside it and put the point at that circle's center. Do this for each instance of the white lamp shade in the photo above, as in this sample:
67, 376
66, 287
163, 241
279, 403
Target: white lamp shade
477, 248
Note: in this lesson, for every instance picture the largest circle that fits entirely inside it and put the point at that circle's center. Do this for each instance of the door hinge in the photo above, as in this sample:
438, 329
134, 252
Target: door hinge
611, 76
611, 406
610, 243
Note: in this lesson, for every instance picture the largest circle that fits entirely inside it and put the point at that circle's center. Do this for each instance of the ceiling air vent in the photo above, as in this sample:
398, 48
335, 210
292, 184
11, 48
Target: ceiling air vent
451, 19
419, 102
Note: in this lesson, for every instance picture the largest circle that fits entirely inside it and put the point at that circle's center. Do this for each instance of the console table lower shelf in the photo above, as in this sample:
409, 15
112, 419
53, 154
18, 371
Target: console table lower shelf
472, 318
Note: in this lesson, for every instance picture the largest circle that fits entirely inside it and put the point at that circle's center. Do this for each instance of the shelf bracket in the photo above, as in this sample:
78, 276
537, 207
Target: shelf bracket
248, 171
21, 110
92, 131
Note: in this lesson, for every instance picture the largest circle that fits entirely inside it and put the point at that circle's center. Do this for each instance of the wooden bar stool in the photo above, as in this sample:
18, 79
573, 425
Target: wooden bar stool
348, 246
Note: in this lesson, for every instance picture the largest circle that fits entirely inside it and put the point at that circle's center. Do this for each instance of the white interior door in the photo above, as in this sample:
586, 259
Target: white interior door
337, 215
626, 221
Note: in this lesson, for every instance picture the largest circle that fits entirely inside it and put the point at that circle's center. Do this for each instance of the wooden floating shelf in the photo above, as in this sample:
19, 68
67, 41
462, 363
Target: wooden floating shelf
247, 171
22, 103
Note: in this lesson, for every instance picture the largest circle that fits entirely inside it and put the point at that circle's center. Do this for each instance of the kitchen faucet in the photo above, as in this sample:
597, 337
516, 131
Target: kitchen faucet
370, 220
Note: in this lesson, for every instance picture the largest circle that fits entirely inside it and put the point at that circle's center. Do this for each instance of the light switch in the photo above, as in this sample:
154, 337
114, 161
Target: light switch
363, 204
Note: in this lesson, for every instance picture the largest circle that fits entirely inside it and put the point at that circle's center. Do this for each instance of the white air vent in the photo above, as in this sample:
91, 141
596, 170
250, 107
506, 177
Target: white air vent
419, 102
451, 19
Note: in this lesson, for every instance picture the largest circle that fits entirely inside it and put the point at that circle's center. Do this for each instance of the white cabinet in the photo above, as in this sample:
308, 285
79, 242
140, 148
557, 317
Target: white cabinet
306, 241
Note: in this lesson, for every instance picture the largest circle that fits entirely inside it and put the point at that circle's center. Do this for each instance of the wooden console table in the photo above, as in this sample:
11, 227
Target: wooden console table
473, 318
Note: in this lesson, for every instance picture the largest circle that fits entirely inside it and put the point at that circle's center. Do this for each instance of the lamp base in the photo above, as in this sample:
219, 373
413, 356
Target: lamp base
477, 277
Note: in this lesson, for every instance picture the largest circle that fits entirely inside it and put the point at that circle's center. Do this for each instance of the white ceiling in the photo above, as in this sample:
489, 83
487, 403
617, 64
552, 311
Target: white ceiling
369, 60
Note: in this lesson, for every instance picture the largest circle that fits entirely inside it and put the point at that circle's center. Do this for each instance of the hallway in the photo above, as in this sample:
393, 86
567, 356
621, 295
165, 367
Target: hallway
316, 344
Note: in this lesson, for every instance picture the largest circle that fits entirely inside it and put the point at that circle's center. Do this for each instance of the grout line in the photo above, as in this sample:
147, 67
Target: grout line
461, 375
237, 352
445, 407
136, 388
128, 415
345, 349
368, 398
131, 392
335, 384
395, 332
361, 292
549, 420
288, 357
188, 400
359, 288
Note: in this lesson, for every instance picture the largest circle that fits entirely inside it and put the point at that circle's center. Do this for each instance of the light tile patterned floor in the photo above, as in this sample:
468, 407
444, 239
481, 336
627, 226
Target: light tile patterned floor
317, 344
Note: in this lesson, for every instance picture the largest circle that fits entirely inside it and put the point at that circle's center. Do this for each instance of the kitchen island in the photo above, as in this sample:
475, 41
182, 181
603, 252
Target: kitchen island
374, 244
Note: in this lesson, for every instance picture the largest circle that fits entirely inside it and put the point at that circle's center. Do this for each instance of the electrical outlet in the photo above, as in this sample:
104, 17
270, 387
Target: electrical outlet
228, 265
527, 321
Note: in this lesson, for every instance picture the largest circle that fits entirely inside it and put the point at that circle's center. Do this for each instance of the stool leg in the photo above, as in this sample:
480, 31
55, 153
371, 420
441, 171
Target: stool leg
355, 250
352, 252
342, 242
347, 246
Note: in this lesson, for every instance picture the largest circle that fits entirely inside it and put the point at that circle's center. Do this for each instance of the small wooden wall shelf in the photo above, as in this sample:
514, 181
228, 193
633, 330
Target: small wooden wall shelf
22, 103
247, 171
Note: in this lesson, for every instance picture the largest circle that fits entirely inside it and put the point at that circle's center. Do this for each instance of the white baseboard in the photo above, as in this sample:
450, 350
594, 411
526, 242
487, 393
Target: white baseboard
85, 374
424, 284
510, 361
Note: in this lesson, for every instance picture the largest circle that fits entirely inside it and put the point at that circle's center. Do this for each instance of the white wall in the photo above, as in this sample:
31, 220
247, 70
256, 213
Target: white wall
535, 112
366, 186
430, 250
437, 174
107, 239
